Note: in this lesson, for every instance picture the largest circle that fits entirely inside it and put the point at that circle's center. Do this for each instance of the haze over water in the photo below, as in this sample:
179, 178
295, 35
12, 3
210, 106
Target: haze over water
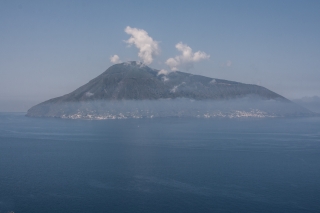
159, 165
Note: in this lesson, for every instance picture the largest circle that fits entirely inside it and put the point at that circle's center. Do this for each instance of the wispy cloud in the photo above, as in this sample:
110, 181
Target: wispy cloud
164, 78
213, 81
163, 72
115, 59
174, 89
227, 64
187, 58
148, 48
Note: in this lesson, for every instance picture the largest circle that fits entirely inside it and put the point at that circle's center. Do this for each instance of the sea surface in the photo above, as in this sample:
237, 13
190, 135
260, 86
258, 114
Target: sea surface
159, 165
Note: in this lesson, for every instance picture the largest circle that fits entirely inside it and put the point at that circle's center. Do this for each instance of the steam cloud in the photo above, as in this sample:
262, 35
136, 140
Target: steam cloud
115, 59
187, 58
213, 81
148, 48
163, 72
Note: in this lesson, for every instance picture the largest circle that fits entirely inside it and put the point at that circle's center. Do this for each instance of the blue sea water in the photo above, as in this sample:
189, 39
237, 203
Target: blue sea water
159, 165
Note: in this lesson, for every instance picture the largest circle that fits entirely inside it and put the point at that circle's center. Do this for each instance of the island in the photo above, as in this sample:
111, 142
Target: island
134, 90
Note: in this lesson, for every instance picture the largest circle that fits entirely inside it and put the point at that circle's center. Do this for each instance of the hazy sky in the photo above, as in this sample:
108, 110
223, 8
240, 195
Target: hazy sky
50, 48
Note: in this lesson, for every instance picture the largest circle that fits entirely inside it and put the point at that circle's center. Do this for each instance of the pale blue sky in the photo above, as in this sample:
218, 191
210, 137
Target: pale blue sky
50, 48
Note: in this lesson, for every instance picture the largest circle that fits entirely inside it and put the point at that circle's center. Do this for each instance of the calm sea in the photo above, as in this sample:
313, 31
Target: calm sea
159, 165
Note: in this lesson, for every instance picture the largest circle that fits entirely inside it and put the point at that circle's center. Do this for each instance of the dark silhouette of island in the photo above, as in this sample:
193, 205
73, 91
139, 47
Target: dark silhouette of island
134, 90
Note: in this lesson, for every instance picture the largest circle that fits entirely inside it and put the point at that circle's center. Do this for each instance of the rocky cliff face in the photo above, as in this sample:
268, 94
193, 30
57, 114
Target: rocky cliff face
139, 87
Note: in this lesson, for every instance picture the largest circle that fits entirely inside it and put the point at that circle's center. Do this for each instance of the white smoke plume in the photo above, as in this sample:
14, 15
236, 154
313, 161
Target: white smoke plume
148, 48
115, 59
164, 79
163, 72
174, 89
187, 58
213, 81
